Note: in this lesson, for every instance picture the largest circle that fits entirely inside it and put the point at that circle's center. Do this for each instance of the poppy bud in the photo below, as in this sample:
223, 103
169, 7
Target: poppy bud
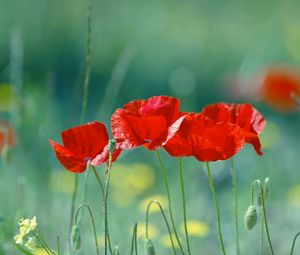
251, 217
112, 145
149, 247
76, 238
116, 250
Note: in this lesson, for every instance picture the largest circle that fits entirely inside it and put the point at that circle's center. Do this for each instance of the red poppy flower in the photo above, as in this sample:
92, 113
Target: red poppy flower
281, 89
204, 138
7, 135
144, 122
243, 115
83, 144
1, 141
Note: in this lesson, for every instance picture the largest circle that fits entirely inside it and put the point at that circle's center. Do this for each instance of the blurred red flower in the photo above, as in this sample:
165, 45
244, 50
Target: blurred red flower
83, 144
7, 135
281, 89
243, 115
145, 122
204, 138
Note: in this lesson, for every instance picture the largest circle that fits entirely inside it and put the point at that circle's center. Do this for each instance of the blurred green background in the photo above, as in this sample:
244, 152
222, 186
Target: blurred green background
192, 50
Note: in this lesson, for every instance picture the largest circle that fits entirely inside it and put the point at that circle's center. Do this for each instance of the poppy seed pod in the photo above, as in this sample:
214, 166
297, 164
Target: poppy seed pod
76, 238
149, 247
116, 250
251, 217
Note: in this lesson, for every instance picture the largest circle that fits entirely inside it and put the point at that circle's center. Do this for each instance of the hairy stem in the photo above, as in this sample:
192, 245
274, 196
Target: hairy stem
83, 110
265, 217
212, 187
92, 221
58, 245
184, 206
105, 205
98, 179
165, 178
235, 206
165, 220
294, 242
134, 240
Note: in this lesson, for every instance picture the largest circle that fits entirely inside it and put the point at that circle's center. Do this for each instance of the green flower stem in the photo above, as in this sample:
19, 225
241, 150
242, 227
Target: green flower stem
105, 202
74, 195
87, 66
165, 219
165, 178
78, 218
265, 216
102, 190
294, 242
235, 207
134, 241
98, 179
92, 221
184, 206
58, 245
262, 236
83, 110
212, 187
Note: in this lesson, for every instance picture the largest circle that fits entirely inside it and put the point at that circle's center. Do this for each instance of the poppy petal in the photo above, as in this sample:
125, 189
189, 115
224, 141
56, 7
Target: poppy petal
158, 105
280, 89
1, 141
86, 141
130, 131
205, 139
103, 157
177, 144
68, 159
218, 141
243, 115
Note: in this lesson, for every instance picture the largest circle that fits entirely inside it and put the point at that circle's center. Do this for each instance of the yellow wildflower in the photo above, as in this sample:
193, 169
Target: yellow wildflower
27, 225
18, 239
196, 228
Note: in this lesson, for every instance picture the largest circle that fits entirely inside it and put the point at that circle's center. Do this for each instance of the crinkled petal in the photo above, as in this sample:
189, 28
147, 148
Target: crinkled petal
155, 106
243, 115
68, 159
103, 157
131, 131
218, 141
177, 144
145, 122
205, 139
86, 141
